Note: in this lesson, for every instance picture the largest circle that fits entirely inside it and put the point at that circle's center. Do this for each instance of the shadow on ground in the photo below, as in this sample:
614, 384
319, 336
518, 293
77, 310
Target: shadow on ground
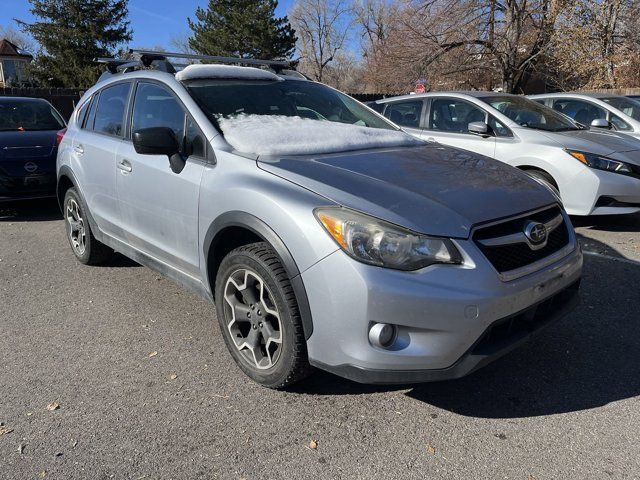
47, 209
30, 210
588, 359
609, 223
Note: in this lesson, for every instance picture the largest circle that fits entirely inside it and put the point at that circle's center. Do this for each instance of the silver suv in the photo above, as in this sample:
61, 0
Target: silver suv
324, 235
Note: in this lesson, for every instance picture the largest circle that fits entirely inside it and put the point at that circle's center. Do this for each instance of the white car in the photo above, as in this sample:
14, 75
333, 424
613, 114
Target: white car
596, 109
595, 171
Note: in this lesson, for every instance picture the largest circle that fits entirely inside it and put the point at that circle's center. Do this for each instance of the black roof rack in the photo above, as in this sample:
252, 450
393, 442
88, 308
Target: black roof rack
160, 61
276, 65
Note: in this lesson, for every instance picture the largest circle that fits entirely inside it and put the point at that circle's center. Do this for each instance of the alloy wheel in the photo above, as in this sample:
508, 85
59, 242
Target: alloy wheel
77, 233
253, 319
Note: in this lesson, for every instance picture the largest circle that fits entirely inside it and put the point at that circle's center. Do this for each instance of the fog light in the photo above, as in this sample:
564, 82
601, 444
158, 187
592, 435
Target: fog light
382, 334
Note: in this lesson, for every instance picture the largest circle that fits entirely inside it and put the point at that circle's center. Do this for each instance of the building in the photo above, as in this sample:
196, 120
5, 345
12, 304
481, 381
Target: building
13, 62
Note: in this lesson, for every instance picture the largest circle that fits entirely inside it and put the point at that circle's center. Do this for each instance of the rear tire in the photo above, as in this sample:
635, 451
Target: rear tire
259, 317
84, 245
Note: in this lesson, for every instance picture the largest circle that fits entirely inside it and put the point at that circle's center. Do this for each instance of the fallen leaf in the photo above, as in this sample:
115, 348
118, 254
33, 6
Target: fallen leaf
28, 414
43, 473
153, 354
21, 448
431, 449
173, 376
5, 430
53, 406
313, 445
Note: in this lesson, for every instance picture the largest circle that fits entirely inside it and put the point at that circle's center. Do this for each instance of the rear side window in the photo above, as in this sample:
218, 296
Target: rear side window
110, 109
82, 114
406, 114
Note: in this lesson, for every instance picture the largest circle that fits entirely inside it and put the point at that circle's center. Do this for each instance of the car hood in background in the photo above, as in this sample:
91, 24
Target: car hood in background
37, 148
433, 189
600, 142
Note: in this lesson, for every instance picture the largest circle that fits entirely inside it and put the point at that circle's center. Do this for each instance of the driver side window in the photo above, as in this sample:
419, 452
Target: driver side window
155, 106
453, 115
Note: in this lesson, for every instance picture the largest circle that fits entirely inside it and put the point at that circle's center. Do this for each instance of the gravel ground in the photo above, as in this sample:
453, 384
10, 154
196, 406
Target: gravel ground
145, 387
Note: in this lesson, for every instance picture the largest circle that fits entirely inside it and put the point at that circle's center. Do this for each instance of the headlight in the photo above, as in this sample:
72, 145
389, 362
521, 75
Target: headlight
380, 243
600, 162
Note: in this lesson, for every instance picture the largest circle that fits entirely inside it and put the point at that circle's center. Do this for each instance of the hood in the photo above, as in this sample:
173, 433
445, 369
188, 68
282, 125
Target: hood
430, 189
37, 148
601, 142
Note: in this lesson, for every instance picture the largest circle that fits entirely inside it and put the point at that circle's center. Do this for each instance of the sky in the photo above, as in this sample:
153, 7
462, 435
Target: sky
154, 22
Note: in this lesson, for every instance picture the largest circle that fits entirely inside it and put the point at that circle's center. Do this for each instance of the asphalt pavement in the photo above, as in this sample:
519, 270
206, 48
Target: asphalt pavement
115, 372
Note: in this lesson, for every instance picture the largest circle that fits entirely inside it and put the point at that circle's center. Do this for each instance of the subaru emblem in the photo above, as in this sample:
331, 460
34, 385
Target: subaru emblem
536, 232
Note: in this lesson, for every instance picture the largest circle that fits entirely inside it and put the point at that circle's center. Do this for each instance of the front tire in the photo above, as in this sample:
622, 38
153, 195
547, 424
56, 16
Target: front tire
259, 317
544, 178
84, 245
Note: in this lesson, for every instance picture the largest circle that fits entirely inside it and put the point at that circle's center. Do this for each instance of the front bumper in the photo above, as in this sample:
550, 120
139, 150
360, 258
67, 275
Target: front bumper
28, 186
596, 192
447, 317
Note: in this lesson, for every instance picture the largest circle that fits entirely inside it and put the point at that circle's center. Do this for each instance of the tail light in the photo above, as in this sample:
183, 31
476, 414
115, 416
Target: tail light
60, 135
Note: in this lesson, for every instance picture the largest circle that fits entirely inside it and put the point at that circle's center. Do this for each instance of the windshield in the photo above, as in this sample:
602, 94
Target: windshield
28, 115
530, 114
290, 98
625, 105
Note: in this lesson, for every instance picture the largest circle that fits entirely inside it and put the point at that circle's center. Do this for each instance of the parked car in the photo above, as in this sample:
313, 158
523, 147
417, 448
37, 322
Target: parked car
595, 172
28, 146
634, 97
599, 110
325, 235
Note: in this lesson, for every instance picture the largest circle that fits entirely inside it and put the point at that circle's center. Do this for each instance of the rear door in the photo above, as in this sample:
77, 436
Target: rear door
447, 122
94, 149
159, 208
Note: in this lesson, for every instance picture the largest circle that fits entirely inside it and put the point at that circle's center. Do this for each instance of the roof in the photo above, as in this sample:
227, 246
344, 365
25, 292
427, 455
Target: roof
8, 49
192, 72
575, 94
22, 99
469, 93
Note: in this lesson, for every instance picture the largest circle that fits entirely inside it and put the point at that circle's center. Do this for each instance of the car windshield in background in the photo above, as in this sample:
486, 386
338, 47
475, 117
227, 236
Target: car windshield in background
286, 98
625, 105
28, 115
530, 114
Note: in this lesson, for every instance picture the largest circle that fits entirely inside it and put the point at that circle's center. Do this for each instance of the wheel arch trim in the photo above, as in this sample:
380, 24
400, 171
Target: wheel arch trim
265, 232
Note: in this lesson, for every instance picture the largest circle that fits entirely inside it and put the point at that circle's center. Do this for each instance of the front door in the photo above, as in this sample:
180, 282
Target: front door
448, 122
159, 208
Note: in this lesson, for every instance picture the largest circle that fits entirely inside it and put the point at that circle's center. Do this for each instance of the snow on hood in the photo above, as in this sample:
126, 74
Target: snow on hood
192, 72
283, 135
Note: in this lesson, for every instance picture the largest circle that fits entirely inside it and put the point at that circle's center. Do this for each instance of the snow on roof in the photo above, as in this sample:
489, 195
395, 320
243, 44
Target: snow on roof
282, 135
192, 72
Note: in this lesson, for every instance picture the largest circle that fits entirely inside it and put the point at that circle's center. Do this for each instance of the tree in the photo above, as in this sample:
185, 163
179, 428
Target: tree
72, 33
323, 26
244, 28
592, 42
23, 42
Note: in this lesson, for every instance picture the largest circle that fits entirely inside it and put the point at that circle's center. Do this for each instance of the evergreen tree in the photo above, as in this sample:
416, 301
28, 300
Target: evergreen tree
245, 28
71, 34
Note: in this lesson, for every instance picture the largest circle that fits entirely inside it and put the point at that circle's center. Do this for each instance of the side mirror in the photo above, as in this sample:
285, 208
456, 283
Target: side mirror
159, 141
601, 123
479, 128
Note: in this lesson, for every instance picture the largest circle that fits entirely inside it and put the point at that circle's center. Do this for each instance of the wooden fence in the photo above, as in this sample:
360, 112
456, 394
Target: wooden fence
64, 99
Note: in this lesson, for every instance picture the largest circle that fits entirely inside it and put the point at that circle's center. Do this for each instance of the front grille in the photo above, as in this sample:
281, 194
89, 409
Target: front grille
509, 330
512, 256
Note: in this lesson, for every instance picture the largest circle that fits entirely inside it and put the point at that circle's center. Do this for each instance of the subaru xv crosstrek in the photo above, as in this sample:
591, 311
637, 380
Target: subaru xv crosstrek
324, 235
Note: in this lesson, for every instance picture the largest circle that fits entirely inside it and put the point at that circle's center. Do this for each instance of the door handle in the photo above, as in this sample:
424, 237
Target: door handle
125, 166
79, 149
